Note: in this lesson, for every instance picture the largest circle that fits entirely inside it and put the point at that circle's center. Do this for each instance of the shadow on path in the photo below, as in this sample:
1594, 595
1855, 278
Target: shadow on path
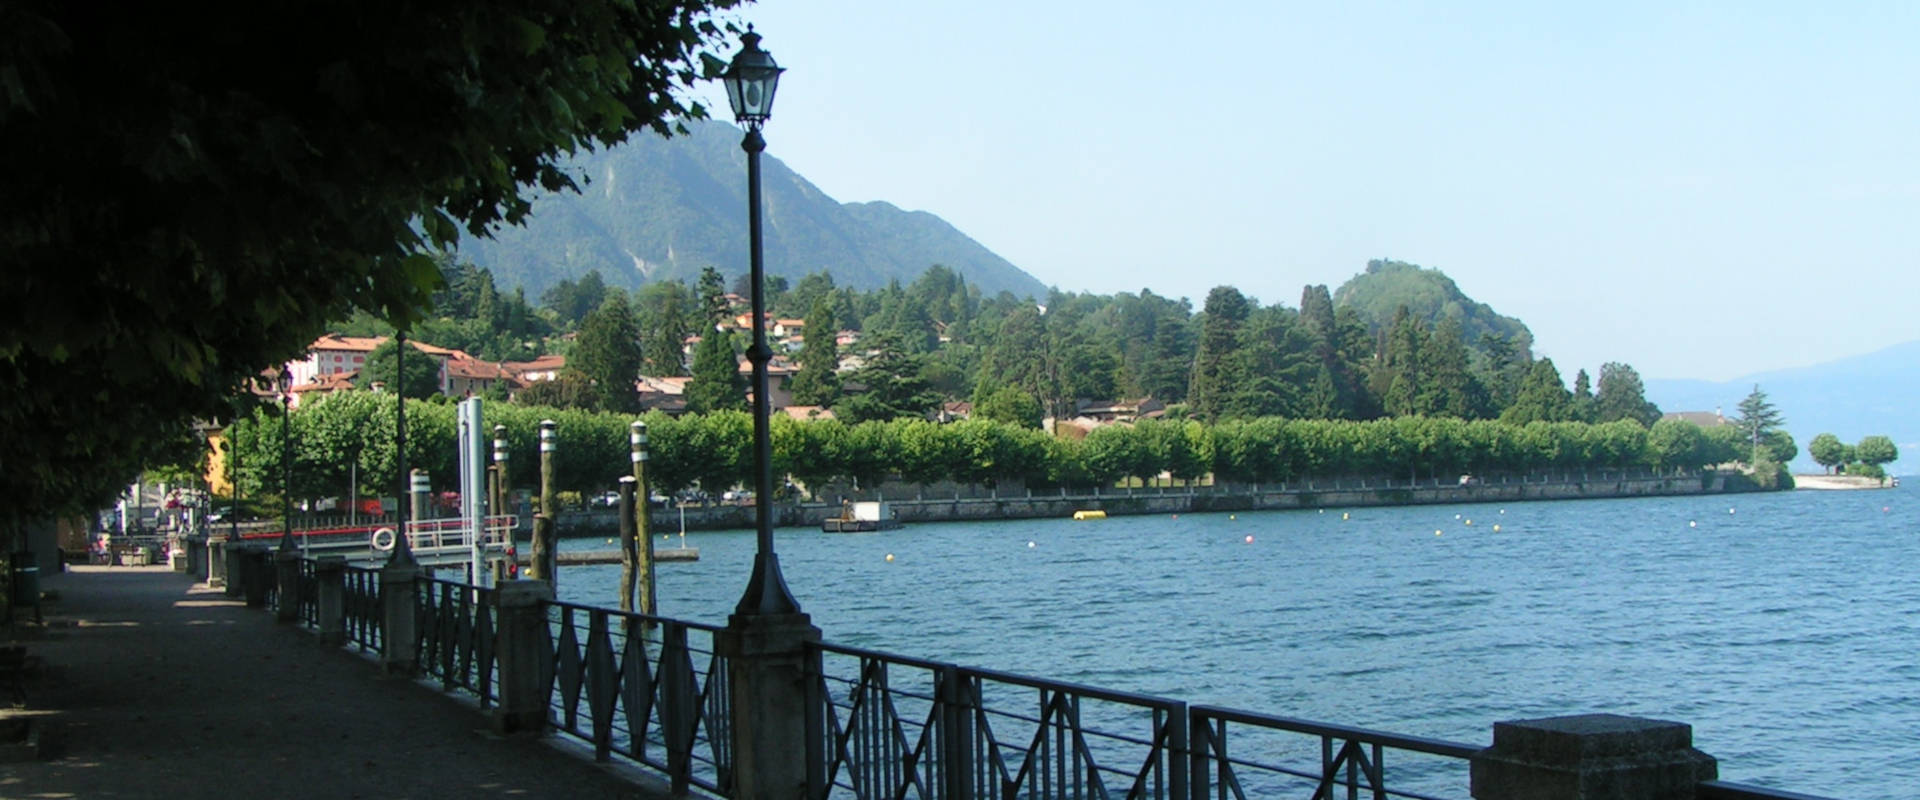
153, 686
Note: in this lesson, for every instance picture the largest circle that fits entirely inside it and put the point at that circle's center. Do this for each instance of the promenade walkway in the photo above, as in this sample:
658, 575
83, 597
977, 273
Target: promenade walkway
154, 686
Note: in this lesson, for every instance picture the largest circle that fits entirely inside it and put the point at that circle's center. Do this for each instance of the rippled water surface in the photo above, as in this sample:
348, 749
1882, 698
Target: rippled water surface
1781, 626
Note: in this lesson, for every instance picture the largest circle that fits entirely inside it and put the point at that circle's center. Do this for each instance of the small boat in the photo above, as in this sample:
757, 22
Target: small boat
861, 517
1093, 514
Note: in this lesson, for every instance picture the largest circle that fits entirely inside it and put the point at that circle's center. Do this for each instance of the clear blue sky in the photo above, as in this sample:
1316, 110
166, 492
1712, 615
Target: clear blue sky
1701, 190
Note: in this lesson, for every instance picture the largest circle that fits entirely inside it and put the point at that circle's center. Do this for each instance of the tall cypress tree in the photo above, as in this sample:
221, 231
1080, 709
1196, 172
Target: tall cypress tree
1214, 369
716, 384
607, 354
817, 383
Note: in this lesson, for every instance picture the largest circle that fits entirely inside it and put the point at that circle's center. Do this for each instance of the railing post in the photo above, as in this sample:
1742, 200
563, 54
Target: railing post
286, 571
956, 734
1591, 757
677, 705
217, 564
330, 572
768, 666
399, 634
525, 649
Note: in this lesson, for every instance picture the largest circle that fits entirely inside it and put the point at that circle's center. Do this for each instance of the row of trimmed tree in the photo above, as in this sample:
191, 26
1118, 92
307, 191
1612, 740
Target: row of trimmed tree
342, 443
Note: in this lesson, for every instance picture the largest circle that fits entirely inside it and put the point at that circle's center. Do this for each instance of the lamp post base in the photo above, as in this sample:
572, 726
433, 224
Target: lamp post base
774, 678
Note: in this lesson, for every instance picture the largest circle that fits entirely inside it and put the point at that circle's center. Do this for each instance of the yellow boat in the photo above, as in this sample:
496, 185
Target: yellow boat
1089, 515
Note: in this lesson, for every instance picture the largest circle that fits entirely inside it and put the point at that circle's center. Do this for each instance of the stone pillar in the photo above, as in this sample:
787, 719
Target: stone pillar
525, 653
776, 704
330, 572
399, 636
1591, 757
217, 564
256, 575
286, 572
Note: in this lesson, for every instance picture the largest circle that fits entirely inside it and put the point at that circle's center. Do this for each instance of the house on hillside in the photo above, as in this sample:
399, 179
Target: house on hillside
543, 368
666, 395
466, 376
1704, 419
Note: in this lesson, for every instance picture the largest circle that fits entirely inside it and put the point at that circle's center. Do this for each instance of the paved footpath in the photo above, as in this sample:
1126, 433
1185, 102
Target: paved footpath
155, 687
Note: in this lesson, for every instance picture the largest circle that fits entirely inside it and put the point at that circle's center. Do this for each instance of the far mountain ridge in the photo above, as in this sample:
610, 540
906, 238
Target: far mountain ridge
655, 209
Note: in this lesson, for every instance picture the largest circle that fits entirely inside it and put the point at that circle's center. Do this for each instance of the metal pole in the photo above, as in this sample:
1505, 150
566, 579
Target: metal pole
767, 591
402, 551
286, 474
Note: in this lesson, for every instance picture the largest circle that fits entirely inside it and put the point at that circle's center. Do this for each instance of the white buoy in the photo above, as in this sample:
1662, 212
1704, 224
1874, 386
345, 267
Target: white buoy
1496, 527
1729, 510
1029, 544
1469, 522
1456, 516
1692, 524
889, 556
1503, 511
1249, 539
1345, 515
1233, 516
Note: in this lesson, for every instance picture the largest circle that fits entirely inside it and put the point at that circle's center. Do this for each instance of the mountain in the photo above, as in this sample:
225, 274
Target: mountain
1850, 398
1428, 294
656, 209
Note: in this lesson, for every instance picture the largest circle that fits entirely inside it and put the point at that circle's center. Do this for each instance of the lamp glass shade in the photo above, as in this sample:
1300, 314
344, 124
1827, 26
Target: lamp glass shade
751, 80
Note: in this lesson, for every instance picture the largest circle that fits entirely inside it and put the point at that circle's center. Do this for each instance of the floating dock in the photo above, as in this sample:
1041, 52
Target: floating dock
581, 557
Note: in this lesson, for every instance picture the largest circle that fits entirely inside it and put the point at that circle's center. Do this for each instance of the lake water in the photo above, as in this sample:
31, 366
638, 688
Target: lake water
1781, 626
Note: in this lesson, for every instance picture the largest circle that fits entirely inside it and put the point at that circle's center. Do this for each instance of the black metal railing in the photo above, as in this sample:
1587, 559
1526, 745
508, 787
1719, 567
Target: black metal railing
456, 626
651, 689
1723, 790
307, 593
1239, 754
904, 727
361, 603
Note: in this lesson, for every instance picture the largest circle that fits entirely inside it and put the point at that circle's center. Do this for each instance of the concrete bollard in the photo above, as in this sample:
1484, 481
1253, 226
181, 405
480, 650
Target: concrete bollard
774, 704
286, 574
525, 654
399, 631
330, 572
1591, 757
256, 576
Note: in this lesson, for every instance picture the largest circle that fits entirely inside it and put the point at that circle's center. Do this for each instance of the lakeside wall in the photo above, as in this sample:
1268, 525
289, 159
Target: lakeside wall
973, 503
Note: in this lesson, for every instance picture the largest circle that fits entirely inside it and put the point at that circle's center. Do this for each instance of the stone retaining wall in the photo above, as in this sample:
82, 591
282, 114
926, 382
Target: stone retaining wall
1175, 500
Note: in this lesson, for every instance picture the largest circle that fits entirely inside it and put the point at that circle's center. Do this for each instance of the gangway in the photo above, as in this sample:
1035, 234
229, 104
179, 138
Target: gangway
435, 542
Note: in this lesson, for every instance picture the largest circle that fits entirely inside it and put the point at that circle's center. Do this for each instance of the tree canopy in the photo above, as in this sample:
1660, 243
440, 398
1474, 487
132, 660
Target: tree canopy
193, 192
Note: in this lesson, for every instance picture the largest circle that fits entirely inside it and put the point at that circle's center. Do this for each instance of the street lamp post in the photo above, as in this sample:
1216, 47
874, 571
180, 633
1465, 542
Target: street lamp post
768, 642
751, 80
286, 462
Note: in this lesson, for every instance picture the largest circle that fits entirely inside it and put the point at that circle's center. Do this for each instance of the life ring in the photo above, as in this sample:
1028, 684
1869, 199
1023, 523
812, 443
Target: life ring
383, 539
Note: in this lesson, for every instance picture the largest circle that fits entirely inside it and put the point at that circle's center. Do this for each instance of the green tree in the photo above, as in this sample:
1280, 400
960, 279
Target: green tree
572, 301
713, 298
1876, 451
422, 371
1011, 405
607, 353
569, 389
1214, 367
173, 225
716, 384
666, 314
818, 381
1542, 397
894, 388
1623, 396
1757, 418
1828, 451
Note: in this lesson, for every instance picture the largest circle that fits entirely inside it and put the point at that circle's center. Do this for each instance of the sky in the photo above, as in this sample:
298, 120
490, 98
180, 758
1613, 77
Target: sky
1699, 190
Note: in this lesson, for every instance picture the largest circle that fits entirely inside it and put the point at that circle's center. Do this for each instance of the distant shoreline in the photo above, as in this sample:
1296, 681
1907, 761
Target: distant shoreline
1841, 482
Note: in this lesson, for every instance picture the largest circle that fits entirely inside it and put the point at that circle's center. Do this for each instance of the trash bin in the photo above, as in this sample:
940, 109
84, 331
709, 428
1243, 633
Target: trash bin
26, 579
